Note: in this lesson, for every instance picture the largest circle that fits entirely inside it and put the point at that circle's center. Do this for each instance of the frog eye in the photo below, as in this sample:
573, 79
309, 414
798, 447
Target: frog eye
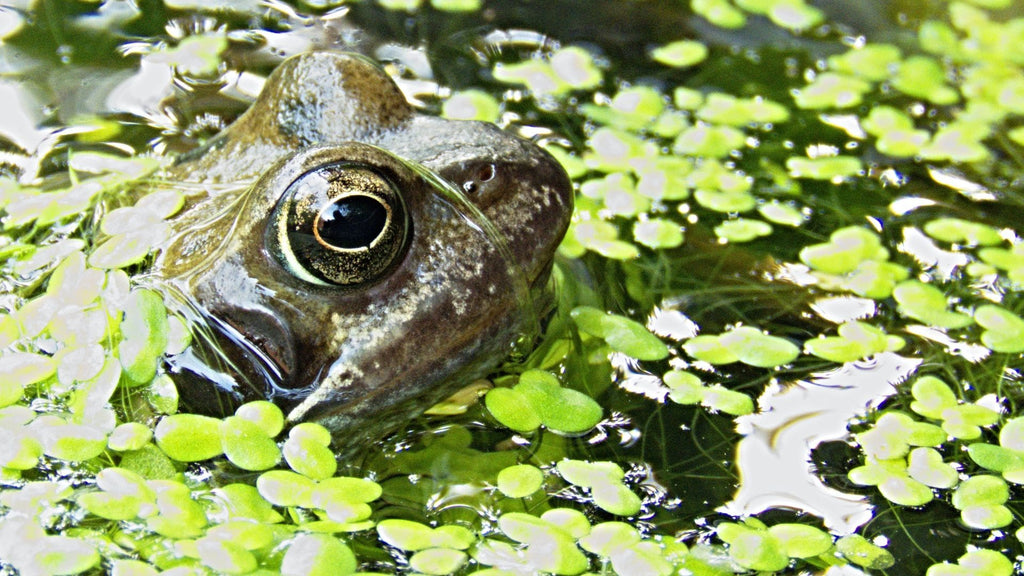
339, 224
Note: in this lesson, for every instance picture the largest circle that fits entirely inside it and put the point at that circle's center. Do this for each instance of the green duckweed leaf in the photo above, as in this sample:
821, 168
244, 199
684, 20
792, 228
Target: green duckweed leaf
685, 387
576, 67
438, 561
870, 62
129, 436
938, 38
247, 445
285, 488
710, 349
132, 568
721, 13
406, 534
884, 119
311, 432
63, 555
960, 231
709, 141
687, 98
607, 538
309, 456
599, 236
345, 488
110, 506
513, 409
726, 109
20, 451
657, 233
520, 481
613, 150
536, 75
456, 5
318, 555
266, 415
1004, 330
956, 143
988, 562
965, 421
680, 54
725, 202
801, 540
862, 552
927, 303
549, 549
622, 334
795, 15
729, 401
178, 516
189, 437
831, 90
923, 77
856, 340
779, 213
755, 348
742, 230
753, 549
225, 556
1011, 435
71, 442
19, 370
144, 332
823, 168
588, 474
248, 534
905, 491
845, 250
995, 458
616, 498
987, 517
162, 394
243, 501
982, 490
931, 397
926, 466
571, 521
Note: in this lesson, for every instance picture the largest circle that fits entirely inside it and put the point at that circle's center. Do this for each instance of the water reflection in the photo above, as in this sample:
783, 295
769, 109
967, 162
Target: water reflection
774, 456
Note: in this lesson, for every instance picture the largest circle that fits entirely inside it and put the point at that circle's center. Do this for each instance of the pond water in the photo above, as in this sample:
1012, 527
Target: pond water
787, 336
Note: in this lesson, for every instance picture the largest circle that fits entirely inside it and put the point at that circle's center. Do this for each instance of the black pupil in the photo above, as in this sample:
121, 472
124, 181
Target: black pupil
352, 222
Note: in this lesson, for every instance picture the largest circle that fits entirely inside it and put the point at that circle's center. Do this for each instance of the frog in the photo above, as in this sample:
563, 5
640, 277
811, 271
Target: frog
354, 260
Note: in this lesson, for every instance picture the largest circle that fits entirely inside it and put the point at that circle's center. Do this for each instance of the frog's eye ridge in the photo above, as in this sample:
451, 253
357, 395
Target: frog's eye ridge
339, 224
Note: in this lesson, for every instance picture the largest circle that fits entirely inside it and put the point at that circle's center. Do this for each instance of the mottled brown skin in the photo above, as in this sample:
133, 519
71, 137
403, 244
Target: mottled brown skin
447, 310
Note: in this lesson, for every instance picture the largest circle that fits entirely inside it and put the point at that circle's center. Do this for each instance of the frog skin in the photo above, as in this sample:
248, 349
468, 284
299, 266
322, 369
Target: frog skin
349, 324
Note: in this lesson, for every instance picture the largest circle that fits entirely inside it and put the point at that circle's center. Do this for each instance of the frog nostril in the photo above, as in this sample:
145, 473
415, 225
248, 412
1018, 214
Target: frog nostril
483, 174
486, 173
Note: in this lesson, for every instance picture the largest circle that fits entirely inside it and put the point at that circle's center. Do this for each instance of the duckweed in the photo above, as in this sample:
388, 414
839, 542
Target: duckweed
1004, 330
604, 479
742, 230
680, 54
520, 481
538, 399
84, 346
317, 555
743, 344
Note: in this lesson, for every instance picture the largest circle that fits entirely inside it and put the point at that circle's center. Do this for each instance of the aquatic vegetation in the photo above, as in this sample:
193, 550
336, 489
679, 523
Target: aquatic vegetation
718, 220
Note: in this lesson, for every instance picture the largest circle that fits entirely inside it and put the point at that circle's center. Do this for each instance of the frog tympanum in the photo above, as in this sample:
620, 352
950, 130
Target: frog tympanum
355, 259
